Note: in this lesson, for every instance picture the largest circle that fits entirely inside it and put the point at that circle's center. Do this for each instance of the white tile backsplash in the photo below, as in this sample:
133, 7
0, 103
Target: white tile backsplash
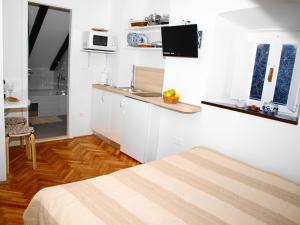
42, 79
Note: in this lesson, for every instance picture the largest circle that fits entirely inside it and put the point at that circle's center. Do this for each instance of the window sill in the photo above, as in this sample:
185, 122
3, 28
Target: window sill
278, 117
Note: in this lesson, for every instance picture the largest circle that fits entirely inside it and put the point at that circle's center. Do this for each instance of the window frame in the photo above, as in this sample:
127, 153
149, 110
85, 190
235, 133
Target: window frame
276, 40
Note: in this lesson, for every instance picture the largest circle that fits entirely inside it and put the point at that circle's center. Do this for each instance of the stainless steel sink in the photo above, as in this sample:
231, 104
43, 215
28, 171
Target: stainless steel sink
131, 90
140, 93
148, 94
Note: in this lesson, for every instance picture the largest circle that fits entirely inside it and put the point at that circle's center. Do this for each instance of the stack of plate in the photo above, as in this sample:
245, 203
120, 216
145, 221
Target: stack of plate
134, 39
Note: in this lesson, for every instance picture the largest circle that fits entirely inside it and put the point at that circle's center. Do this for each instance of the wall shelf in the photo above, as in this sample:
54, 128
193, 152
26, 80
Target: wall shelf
144, 49
147, 28
97, 51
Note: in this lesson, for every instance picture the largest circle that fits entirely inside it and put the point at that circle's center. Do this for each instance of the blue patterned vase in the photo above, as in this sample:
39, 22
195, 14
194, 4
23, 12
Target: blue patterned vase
270, 108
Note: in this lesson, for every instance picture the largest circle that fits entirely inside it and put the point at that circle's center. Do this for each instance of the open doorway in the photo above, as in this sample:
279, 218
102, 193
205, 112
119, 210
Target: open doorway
48, 73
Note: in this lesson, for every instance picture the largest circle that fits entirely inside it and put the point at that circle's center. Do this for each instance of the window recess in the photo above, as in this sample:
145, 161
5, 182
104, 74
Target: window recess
275, 73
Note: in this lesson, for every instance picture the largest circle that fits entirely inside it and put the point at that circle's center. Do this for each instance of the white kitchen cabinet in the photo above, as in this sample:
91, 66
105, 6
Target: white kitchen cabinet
134, 128
153, 133
101, 102
129, 122
115, 117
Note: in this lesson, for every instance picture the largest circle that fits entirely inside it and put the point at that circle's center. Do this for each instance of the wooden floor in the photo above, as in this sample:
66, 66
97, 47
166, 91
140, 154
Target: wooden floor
58, 162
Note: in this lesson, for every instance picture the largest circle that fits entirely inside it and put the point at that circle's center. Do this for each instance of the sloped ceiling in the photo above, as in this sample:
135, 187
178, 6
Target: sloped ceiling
32, 12
275, 16
51, 36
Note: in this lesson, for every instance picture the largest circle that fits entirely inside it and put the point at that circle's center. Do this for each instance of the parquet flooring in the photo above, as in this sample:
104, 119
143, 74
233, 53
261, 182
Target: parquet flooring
58, 162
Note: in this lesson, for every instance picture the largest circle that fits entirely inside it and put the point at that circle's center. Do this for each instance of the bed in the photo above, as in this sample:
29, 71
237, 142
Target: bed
195, 187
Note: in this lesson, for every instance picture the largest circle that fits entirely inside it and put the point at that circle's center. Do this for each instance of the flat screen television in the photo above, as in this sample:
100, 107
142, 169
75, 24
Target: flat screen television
180, 41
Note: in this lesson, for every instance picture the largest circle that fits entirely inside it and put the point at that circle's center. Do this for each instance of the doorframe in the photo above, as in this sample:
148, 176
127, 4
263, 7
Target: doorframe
3, 174
25, 50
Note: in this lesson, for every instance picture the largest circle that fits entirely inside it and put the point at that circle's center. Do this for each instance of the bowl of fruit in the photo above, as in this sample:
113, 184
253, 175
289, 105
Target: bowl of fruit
171, 96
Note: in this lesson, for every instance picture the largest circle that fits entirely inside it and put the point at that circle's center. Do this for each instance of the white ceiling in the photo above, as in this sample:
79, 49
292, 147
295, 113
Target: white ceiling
52, 35
280, 16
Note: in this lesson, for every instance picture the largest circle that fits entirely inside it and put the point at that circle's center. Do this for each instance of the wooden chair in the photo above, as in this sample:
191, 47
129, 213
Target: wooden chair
22, 131
11, 121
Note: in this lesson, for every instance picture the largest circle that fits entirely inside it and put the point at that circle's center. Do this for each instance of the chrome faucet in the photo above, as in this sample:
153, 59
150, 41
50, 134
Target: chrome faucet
133, 76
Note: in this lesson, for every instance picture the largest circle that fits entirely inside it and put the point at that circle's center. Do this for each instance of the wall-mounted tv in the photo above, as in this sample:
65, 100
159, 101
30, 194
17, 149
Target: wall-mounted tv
180, 41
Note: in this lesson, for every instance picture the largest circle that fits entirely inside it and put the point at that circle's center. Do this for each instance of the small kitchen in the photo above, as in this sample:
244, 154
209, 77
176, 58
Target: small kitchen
127, 114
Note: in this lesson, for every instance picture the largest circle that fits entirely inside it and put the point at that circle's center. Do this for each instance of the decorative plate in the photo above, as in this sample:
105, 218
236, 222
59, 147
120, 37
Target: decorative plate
132, 39
141, 39
270, 108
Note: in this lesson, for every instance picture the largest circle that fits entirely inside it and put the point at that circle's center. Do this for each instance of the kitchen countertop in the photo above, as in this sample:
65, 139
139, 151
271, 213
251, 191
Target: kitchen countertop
179, 107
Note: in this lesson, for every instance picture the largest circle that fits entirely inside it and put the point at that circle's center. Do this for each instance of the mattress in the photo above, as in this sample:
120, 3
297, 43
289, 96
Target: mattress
195, 187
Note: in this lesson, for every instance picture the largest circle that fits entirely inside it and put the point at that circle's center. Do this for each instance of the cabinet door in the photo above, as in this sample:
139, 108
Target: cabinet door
153, 133
100, 111
95, 108
134, 128
115, 118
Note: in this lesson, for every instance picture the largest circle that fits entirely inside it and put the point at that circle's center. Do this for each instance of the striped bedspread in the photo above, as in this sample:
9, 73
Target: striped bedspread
195, 187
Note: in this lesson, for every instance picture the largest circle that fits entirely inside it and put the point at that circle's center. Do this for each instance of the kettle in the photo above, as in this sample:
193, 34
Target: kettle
104, 77
153, 19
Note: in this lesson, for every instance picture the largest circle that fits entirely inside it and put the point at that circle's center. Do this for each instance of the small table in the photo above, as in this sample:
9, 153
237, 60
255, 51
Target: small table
17, 105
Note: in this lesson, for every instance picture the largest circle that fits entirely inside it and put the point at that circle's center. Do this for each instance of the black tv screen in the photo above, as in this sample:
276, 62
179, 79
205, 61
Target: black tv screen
180, 41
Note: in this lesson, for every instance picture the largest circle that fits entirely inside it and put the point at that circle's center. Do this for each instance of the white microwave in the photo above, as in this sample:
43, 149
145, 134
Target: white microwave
96, 40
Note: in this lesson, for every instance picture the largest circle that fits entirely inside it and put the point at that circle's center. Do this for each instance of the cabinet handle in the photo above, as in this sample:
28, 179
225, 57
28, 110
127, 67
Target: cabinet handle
122, 104
102, 98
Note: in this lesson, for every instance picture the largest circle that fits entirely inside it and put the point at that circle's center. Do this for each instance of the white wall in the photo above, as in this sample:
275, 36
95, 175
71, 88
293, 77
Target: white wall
95, 13
15, 46
122, 12
2, 132
266, 144
269, 145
